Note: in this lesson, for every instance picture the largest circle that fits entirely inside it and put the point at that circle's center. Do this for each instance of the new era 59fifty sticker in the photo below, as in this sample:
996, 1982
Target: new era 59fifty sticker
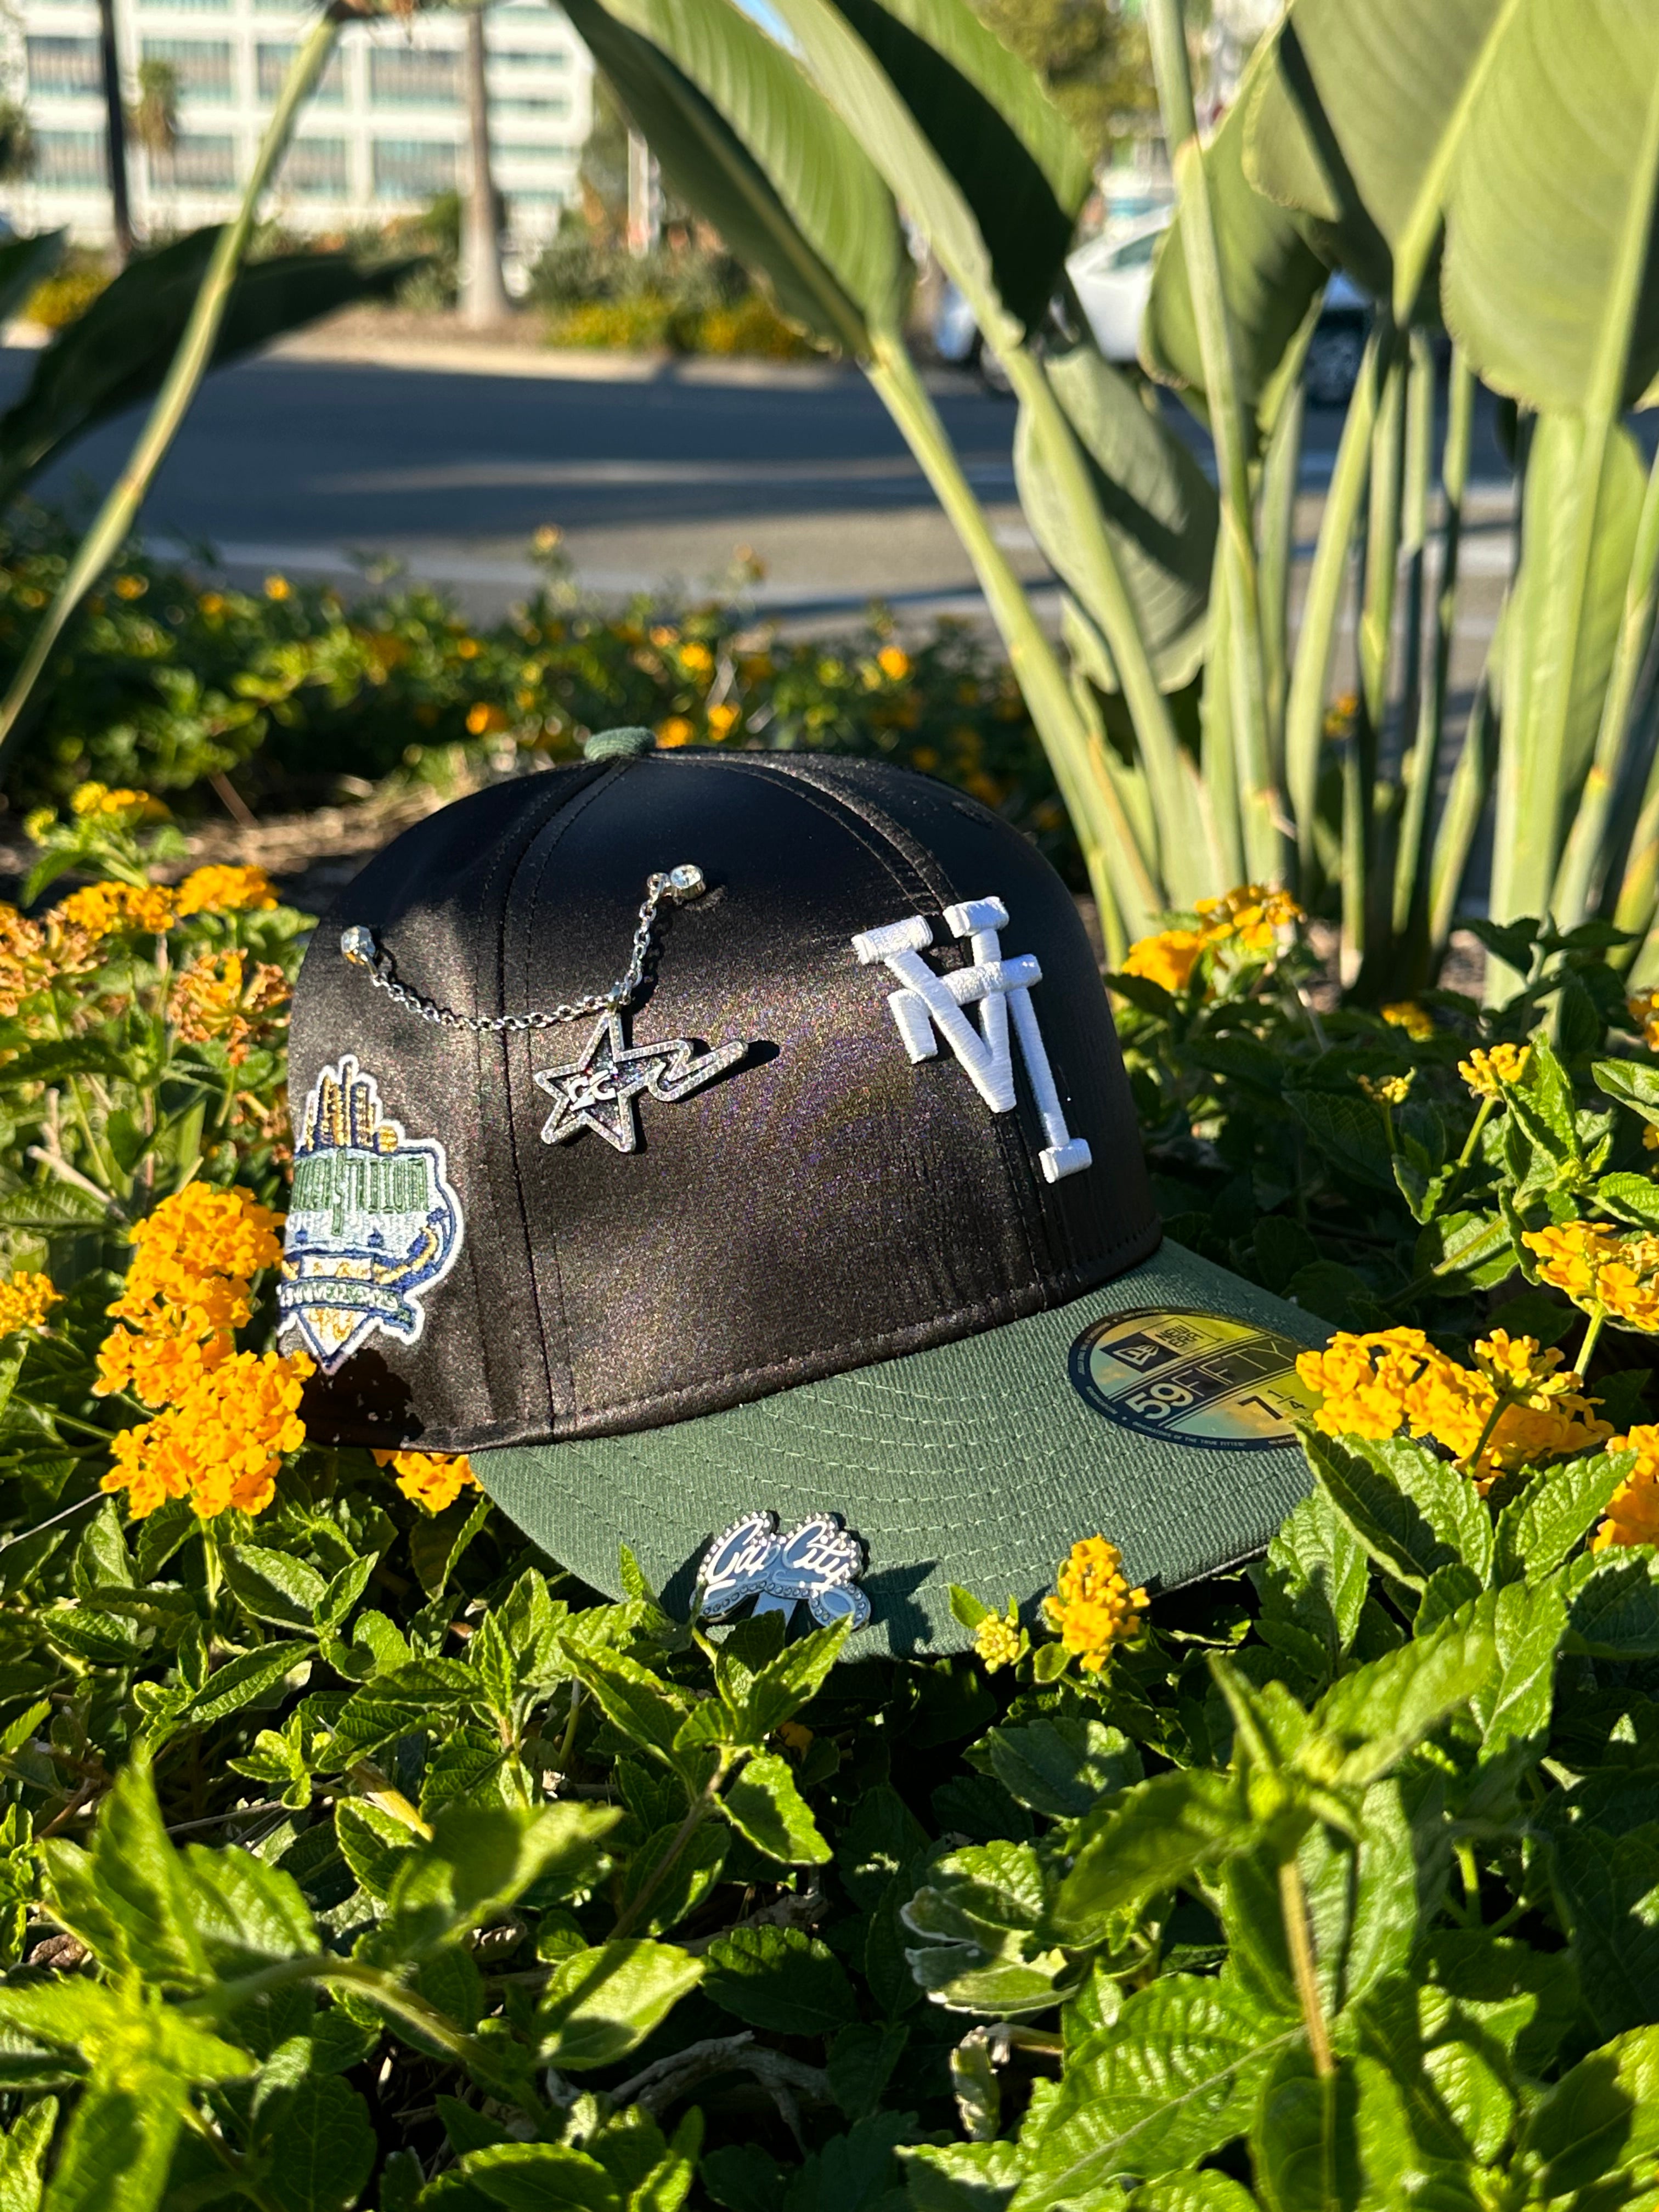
1199, 1378
373, 1226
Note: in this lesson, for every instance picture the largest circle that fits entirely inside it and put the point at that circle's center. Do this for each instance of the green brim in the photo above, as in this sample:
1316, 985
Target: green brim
979, 1462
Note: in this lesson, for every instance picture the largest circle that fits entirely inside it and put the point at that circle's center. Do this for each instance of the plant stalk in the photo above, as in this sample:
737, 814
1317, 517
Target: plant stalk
1293, 1903
115, 518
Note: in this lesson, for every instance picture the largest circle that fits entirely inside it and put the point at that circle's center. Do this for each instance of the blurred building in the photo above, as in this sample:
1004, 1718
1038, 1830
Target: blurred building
384, 133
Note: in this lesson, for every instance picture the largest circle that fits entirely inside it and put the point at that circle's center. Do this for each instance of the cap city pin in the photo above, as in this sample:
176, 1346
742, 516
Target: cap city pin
870, 1318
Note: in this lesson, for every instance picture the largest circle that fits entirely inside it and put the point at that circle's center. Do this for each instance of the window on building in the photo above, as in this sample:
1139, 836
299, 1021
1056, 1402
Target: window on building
547, 57
317, 167
413, 168
521, 153
414, 76
553, 103
202, 65
271, 66
173, 7
71, 159
64, 65
197, 163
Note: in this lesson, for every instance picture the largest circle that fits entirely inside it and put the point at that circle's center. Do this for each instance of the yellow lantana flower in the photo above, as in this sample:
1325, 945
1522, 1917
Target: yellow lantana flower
1093, 1609
676, 731
118, 910
1644, 1009
221, 1445
1388, 1090
1416, 1022
221, 890
1167, 959
1633, 1508
997, 1642
1599, 1269
26, 1299
433, 1479
127, 806
1486, 1073
189, 1288
894, 663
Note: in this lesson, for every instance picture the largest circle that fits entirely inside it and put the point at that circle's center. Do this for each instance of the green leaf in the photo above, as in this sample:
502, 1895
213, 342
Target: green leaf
634, 1699
1601, 2115
23, 2156
1411, 1510
1365, 1723
1010, 153
372, 1843
780, 1979
1348, 1130
977, 2177
1538, 1530
141, 1885
743, 2178
763, 1700
119, 2145
528, 2177
437, 1541
273, 1586
1158, 507
979, 1912
1632, 1084
324, 2146
1608, 1888
1191, 2192
481, 1860
601, 2003
247, 1914
1060, 1766
1155, 1837
764, 1805
862, 2058
673, 1874
747, 141
1613, 1605
244, 1680
1312, 1582
118, 352
1173, 2078
1271, 276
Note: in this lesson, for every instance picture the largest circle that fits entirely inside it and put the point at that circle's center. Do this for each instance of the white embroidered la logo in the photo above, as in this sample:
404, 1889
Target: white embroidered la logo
928, 1003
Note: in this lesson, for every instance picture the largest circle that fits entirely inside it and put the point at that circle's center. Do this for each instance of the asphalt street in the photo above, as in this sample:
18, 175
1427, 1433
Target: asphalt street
315, 466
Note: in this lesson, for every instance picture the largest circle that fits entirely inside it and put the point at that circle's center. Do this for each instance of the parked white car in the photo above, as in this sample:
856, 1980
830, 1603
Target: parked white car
1112, 276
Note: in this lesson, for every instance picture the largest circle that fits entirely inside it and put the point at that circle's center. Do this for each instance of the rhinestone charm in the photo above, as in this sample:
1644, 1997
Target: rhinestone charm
358, 947
686, 882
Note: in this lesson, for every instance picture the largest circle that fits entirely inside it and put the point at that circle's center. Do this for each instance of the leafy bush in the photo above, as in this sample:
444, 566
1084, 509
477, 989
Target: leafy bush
166, 681
60, 299
685, 297
354, 1854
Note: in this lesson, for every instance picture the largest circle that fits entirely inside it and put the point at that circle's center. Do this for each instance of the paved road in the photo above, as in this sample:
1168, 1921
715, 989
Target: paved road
302, 465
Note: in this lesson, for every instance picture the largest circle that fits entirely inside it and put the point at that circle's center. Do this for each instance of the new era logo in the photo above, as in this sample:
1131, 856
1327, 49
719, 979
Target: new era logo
929, 1006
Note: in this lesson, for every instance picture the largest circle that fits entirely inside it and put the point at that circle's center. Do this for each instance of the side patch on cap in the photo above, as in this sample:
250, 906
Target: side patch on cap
373, 1225
1201, 1378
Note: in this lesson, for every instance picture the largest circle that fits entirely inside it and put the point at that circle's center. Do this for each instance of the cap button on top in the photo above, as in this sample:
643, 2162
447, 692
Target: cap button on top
618, 745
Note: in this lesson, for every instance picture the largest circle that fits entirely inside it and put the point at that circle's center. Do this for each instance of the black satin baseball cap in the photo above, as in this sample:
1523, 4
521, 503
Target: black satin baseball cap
812, 1246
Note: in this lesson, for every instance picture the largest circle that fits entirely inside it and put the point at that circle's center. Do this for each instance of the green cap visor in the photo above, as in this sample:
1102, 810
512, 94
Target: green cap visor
1155, 1411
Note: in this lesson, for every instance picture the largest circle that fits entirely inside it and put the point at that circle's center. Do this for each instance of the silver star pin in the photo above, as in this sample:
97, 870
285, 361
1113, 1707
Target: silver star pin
597, 1091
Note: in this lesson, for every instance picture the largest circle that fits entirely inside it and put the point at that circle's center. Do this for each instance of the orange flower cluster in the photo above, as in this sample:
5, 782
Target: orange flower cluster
1517, 1406
1417, 1021
227, 1417
220, 1445
25, 1302
1246, 920
118, 910
1599, 1269
125, 808
433, 1479
221, 890
1093, 1609
226, 998
188, 1288
1633, 1508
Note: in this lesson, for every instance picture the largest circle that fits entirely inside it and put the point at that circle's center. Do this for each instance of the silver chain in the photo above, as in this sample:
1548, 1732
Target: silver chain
359, 946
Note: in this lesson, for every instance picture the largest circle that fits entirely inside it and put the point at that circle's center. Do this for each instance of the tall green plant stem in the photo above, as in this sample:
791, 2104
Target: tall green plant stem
1266, 845
1376, 637
1293, 1907
1411, 877
115, 519
1575, 888
1304, 710
1109, 848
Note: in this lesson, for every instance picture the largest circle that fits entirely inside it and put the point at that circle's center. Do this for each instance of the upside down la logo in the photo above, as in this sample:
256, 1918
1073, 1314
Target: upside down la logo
373, 1225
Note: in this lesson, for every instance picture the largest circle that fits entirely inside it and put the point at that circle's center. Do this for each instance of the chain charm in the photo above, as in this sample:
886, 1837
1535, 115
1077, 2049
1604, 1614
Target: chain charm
359, 946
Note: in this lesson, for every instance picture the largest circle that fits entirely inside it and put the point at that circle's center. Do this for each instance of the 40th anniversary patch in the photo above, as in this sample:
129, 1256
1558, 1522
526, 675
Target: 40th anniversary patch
1199, 1378
373, 1226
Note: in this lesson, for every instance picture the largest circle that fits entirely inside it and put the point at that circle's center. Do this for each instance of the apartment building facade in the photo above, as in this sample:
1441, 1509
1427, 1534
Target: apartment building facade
383, 134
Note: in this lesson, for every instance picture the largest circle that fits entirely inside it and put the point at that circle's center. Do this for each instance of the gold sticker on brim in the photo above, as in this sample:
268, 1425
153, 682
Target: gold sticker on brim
1198, 1378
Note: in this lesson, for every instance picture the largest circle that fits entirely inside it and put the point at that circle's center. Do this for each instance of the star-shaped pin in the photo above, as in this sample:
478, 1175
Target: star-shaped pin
597, 1091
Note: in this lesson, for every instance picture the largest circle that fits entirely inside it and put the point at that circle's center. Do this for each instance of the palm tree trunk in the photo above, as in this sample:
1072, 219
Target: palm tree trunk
116, 126
484, 295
